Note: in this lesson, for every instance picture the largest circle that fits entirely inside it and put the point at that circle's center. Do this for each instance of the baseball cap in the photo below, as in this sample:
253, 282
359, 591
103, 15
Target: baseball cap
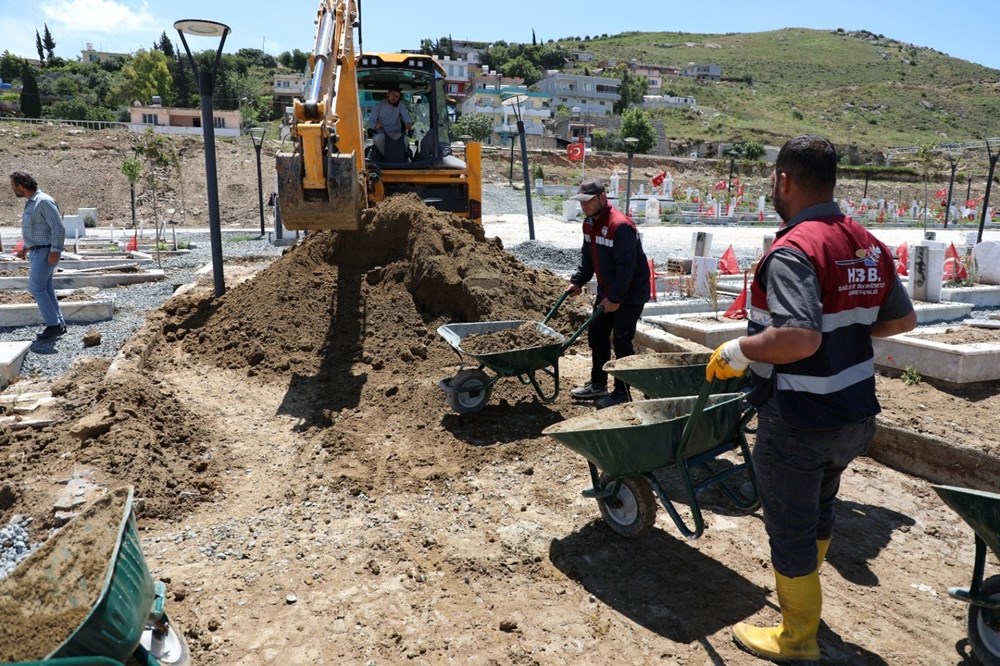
589, 189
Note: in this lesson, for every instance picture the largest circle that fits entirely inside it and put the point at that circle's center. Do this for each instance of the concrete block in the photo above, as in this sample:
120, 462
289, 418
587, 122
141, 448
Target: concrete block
11, 359
74, 226
706, 333
75, 312
959, 364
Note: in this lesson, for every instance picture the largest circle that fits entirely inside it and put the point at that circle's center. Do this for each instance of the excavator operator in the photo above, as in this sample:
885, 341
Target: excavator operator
388, 120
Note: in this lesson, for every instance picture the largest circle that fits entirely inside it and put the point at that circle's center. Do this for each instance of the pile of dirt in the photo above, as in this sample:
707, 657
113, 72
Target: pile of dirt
369, 298
111, 430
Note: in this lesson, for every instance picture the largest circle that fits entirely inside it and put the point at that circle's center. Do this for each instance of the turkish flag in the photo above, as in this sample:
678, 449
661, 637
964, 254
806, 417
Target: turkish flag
19, 246
738, 310
658, 179
940, 193
728, 264
132, 245
954, 269
902, 258
721, 185
574, 151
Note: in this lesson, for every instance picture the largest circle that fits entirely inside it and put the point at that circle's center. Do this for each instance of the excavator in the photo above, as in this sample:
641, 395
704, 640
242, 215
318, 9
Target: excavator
335, 169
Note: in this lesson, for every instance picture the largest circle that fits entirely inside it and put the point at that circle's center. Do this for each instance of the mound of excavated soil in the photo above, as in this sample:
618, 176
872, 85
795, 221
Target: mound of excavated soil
370, 298
115, 430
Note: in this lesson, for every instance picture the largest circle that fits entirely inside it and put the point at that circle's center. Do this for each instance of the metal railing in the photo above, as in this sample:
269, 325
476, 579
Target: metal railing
86, 124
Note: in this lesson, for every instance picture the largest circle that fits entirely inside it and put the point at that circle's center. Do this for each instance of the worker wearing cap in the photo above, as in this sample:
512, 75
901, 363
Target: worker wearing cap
612, 252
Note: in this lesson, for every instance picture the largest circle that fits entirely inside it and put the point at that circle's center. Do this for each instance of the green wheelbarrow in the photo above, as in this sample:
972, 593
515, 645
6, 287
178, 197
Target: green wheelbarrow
75, 607
626, 446
981, 510
469, 390
669, 375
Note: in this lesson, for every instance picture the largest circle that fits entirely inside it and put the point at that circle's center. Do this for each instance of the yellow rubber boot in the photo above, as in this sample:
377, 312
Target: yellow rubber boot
822, 545
801, 602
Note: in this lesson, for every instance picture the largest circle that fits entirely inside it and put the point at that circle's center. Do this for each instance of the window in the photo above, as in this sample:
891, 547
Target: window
149, 119
219, 122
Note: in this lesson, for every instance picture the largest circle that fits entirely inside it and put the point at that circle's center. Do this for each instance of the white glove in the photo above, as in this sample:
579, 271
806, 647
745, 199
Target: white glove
727, 361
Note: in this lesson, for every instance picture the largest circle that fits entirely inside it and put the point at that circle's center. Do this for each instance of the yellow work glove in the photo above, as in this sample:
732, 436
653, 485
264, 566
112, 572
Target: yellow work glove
727, 362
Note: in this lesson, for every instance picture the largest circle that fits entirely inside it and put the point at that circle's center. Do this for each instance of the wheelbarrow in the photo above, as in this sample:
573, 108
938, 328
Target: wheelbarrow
469, 390
629, 445
669, 375
981, 510
58, 581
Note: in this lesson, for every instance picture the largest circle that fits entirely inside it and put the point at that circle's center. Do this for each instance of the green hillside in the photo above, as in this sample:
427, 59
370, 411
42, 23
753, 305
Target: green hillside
858, 88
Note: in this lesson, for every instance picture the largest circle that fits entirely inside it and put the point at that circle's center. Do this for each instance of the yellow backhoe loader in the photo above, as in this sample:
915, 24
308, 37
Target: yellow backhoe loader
335, 169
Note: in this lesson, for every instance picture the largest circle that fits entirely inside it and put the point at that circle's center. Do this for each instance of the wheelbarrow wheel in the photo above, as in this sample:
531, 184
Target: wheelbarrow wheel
470, 392
984, 626
632, 511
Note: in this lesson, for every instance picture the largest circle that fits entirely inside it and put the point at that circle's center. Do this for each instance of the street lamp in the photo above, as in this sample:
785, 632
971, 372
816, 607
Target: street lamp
953, 161
206, 86
514, 101
630, 141
257, 136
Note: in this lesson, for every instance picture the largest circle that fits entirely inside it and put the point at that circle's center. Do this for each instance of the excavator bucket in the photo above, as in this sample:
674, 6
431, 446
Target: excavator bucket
337, 208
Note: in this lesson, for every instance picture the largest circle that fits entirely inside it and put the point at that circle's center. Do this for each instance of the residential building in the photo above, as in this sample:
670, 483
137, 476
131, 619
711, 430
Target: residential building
287, 87
459, 74
594, 95
89, 54
703, 72
667, 102
486, 97
654, 75
171, 120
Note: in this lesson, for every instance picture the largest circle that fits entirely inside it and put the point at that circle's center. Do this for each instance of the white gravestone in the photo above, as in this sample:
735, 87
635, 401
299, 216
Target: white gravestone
701, 268
571, 209
652, 210
701, 244
987, 256
926, 269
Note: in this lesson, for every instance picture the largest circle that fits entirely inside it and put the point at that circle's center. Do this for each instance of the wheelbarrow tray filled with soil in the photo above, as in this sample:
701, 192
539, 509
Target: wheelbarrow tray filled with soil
643, 436
668, 375
541, 344
87, 592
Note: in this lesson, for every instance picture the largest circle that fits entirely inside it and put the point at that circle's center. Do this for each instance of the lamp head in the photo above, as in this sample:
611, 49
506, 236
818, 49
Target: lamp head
201, 28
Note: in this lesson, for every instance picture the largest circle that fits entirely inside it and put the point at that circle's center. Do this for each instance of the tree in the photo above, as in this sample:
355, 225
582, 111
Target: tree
635, 122
10, 66
31, 100
534, 40
38, 46
146, 75
165, 45
477, 125
631, 89
523, 68
161, 162
48, 43
132, 169
747, 150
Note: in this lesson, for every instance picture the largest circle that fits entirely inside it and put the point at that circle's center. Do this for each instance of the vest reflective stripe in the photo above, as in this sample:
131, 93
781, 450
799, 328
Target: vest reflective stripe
865, 316
606, 242
825, 385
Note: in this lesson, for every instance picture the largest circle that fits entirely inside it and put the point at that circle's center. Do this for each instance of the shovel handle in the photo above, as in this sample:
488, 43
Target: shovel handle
555, 307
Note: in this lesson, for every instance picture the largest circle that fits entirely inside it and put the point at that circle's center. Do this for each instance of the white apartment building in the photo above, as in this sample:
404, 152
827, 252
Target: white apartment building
593, 95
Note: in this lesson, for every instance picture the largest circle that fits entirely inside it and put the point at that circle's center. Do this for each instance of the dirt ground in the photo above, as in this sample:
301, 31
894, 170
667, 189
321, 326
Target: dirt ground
309, 497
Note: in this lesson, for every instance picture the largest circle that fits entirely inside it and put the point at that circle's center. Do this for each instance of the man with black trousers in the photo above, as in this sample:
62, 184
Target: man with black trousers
612, 252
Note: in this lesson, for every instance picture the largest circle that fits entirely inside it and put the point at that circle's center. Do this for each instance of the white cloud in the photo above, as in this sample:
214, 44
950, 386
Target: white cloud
96, 17
18, 37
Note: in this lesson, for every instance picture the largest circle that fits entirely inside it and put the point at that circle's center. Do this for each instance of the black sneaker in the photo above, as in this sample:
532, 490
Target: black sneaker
589, 391
51, 332
616, 398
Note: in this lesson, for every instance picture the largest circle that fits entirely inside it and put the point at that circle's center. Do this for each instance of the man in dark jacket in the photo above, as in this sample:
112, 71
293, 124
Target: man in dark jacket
612, 251
821, 293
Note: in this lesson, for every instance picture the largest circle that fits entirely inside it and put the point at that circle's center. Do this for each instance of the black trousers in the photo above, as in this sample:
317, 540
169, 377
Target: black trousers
612, 330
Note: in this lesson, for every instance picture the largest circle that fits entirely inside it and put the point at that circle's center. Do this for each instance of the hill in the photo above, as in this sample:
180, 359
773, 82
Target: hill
858, 88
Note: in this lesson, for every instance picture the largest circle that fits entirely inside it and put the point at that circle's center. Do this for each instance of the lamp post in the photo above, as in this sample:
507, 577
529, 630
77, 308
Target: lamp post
257, 136
630, 141
868, 173
206, 86
514, 100
953, 161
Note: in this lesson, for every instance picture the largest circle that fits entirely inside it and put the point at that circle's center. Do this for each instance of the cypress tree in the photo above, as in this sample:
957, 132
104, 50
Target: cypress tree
48, 43
31, 101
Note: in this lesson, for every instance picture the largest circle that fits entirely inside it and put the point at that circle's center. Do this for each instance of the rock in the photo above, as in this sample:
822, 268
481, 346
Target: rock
91, 338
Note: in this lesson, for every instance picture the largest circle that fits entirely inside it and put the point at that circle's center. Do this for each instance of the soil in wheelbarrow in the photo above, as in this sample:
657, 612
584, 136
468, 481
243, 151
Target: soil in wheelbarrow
48, 595
525, 336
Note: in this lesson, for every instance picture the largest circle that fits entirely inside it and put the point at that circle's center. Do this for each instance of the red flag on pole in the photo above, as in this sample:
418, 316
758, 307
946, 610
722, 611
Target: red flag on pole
954, 269
728, 264
941, 193
738, 310
132, 244
902, 259
721, 185
574, 151
659, 178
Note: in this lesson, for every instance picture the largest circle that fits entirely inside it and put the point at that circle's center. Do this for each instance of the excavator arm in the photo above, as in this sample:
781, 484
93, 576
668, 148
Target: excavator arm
322, 183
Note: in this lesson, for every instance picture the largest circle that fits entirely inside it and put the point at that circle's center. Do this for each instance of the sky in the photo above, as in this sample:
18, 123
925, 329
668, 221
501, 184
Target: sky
965, 29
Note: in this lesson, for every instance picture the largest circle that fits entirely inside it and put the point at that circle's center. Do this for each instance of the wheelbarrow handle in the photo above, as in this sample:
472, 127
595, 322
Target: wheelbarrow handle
593, 315
555, 307
696, 410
